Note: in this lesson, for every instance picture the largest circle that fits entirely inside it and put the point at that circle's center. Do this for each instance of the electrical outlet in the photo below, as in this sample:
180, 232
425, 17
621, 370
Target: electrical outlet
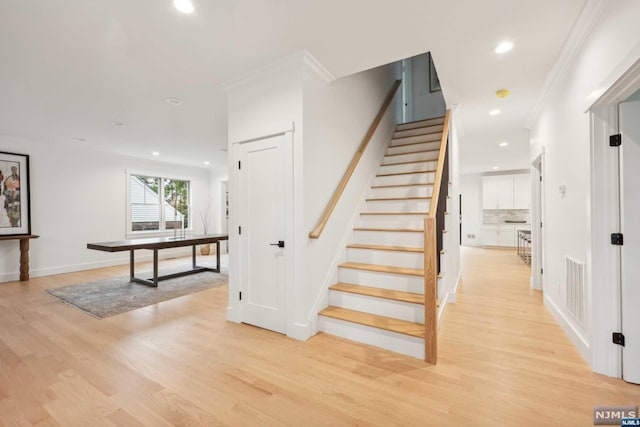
471, 236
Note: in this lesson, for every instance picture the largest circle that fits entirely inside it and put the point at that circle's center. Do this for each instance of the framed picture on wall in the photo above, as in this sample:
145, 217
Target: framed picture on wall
15, 206
434, 82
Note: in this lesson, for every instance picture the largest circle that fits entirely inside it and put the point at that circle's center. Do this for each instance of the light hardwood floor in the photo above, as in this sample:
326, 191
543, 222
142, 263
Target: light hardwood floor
503, 362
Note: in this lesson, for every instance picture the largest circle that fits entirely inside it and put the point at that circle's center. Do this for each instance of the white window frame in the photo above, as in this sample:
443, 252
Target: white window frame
162, 231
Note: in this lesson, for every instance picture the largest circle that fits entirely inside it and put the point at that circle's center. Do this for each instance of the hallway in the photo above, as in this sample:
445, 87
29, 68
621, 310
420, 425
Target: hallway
503, 361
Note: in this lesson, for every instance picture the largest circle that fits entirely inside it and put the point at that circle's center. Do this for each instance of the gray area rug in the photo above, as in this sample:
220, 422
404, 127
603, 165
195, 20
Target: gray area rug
108, 297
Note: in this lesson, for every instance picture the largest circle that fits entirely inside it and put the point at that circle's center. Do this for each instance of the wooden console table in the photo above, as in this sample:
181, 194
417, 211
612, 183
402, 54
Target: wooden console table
24, 253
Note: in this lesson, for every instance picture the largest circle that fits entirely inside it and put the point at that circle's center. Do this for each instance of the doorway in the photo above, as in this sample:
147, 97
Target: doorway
629, 182
537, 223
264, 230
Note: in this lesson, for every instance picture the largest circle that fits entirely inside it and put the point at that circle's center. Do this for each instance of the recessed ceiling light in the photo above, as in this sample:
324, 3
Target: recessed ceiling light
504, 144
504, 47
207, 163
494, 112
155, 153
184, 6
496, 168
174, 101
118, 124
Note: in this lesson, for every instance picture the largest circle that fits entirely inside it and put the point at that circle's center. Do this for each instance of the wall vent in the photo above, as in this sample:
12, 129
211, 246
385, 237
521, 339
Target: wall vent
575, 287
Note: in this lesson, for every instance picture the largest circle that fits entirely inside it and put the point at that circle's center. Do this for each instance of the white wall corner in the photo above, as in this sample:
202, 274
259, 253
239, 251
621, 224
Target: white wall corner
591, 12
233, 314
311, 62
575, 336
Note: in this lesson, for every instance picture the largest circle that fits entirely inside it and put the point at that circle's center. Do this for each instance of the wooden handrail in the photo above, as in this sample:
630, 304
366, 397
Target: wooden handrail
431, 256
438, 179
322, 222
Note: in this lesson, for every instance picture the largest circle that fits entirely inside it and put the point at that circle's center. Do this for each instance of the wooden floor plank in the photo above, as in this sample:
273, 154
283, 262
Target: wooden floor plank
503, 360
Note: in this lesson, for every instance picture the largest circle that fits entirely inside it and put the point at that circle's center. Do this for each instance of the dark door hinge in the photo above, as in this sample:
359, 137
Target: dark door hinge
616, 239
540, 178
239, 230
239, 165
618, 338
240, 296
615, 140
542, 271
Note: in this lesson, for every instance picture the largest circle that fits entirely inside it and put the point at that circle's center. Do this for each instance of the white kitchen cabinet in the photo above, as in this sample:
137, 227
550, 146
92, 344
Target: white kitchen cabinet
506, 192
521, 192
498, 235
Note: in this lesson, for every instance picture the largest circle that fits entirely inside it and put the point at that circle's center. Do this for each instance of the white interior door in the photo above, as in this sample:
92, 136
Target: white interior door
263, 171
630, 228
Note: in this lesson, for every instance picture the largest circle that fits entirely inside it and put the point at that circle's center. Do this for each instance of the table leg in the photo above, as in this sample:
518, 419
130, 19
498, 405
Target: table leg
24, 260
155, 268
132, 265
218, 256
193, 256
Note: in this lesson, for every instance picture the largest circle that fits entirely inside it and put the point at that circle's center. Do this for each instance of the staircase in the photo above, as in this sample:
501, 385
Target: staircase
379, 298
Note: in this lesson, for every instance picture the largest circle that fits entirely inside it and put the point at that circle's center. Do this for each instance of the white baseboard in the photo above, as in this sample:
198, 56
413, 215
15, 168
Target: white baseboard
575, 336
299, 331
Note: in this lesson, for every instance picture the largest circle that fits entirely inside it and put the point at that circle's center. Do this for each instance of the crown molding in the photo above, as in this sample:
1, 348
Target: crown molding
292, 62
590, 14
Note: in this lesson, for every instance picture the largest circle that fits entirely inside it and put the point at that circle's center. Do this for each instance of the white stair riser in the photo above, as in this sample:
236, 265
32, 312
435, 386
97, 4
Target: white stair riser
380, 257
420, 124
389, 238
379, 306
414, 178
392, 221
418, 131
424, 164
403, 344
435, 145
417, 138
398, 206
411, 157
396, 282
415, 191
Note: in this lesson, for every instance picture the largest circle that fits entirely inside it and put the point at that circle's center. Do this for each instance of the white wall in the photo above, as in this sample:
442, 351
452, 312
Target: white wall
471, 190
562, 130
78, 195
337, 115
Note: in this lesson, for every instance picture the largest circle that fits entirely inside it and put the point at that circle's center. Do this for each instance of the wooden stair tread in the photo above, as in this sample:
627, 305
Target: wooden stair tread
420, 134
384, 268
406, 230
379, 293
423, 120
415, 152
407, 173
407, 163
387, 199
413, 143
420, 184
395, 213
385, 248
380, 322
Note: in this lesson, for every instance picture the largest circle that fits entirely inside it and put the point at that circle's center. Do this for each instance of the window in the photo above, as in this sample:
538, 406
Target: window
158, 204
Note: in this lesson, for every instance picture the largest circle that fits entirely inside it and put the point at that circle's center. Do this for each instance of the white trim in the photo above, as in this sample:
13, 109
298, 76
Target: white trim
576, 336
588, 17
317, 67
622, 82
291, 62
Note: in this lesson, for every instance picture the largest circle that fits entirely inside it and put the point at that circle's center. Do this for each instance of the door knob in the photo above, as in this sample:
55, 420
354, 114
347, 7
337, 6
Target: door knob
280, 244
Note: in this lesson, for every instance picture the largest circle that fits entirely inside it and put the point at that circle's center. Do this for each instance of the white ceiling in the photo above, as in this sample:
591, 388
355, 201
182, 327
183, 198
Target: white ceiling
70, 68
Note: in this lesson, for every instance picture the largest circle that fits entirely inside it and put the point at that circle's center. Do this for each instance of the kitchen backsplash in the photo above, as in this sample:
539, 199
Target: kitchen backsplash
501, 216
